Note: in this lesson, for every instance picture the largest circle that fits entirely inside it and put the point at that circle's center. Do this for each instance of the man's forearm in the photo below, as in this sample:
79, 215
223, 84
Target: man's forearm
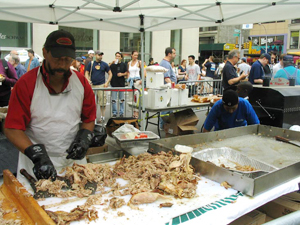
258, 81
168, 80
18, 138
234, 80
205, 131
87, 75
109, 76
88, 126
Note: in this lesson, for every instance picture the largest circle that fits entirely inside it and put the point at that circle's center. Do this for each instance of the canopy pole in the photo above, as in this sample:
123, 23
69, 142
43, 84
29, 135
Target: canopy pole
142, 72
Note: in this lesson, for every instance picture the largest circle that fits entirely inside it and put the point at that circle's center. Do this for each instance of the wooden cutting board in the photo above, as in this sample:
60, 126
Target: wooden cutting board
19, 203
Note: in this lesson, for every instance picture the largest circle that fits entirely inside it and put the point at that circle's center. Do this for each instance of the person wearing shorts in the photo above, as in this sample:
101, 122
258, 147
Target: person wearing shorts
95, 73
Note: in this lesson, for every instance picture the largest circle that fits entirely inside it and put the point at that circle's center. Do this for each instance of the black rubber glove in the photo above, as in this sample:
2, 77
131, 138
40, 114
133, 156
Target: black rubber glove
43, 167
80, 145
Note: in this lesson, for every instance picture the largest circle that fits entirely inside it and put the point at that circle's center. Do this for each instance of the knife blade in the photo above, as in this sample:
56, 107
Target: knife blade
279, 138
32, 181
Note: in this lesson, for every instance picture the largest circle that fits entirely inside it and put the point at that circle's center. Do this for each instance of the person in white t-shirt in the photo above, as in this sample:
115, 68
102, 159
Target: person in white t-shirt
244, 66
278, 65
192, 74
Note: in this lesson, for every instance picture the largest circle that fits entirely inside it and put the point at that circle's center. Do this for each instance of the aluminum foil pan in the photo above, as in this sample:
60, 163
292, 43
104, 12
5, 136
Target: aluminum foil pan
231, 158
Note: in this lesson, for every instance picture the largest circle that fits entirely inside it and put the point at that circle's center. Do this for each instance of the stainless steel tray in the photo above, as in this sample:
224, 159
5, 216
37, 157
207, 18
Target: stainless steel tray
107, 156
256, 141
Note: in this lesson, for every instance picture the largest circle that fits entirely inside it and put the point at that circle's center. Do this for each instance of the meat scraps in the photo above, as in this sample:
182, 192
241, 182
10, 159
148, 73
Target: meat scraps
79, 213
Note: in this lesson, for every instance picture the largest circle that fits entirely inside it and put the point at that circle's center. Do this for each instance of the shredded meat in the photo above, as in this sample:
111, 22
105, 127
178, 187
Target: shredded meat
225, 185
120, 214
166, 204
8, 221
79, 213
116, 203
147, 172
149, 178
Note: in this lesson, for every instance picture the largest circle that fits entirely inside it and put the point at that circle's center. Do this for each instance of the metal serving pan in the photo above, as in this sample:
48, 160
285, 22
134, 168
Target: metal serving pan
130, 143
256, 141
105, 157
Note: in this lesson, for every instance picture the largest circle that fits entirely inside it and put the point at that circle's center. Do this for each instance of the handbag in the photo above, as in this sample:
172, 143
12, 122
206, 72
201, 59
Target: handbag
114, 123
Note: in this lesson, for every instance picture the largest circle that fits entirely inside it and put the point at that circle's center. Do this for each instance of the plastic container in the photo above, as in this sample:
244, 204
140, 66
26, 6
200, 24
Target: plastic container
124, 142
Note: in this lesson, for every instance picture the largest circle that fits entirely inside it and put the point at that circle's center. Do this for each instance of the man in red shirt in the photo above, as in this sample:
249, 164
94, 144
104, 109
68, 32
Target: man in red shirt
45, 109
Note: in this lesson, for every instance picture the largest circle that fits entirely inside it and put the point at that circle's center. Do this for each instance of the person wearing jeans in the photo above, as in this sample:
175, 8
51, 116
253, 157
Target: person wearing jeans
119, 72
115, 95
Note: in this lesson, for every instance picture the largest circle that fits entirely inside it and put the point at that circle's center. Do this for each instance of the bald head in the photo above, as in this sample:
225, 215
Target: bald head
14, 52
14, 60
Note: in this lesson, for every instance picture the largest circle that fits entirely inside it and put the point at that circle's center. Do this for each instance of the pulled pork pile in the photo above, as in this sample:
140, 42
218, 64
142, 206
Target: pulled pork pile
146, 172
149, 177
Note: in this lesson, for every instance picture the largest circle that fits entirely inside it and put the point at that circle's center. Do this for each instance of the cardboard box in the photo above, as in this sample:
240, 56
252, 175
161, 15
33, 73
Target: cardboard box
180, 123
252, 218
279, 207
158, 98
268, 218
183, 97
174, 97
96, 150
154, 79
293, 196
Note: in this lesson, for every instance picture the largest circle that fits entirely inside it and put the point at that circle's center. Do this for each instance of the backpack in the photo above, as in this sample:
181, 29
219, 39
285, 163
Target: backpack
217, 74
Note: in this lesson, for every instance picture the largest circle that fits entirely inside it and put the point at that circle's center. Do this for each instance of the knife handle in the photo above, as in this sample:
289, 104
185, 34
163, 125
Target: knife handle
28, 176
279, 138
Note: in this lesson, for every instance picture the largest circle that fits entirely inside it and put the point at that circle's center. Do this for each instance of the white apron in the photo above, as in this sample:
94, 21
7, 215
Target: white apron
54, 122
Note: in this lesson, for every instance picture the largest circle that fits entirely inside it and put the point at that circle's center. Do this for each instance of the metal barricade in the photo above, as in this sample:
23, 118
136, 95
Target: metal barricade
105, 97
204, 87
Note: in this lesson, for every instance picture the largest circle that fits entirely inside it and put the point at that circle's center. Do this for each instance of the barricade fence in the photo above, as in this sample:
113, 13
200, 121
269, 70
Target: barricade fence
204, 87
116, 98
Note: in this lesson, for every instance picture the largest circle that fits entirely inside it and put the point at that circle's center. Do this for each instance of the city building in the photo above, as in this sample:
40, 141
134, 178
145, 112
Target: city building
281, 37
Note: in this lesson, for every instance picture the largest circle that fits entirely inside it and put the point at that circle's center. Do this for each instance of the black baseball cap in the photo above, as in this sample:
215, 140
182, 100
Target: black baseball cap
230, 98
79, 59
61, 43
98, 52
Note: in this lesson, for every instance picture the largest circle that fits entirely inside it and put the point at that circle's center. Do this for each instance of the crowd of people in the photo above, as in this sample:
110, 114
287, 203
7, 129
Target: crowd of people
101, 74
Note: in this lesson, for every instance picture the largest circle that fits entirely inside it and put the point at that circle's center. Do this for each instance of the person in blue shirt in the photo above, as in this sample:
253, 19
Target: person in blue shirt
232, 111
32, 62
257, 70
95, 74
289, 71
170, 76
15, 61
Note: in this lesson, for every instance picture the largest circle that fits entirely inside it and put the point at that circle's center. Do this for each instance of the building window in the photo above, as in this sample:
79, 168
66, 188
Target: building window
176, 43
132, 42
13, 34
295, 21
84, 39
203, 29
206, 40
294, 40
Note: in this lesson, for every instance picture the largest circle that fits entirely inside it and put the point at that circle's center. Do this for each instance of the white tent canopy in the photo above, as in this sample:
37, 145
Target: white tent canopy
124, 15
147, 15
